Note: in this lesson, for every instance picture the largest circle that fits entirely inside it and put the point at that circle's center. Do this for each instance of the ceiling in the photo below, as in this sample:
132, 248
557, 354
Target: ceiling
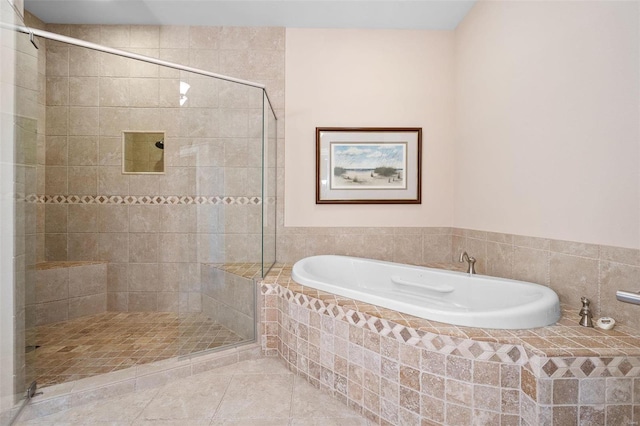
376, 14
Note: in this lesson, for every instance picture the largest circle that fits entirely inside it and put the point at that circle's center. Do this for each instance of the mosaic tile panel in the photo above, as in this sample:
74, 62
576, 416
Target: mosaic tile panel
112, 341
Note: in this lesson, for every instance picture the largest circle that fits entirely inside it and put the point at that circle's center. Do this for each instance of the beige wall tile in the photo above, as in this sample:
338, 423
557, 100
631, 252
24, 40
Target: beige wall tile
114, 66
84, 91
57, 90
174, 36
56, 120
83, 150
113, 247
82, 246
110, 151
83, 180
168, 92
144, 218
55, 246
177, 247
113, 218
237, 249
87, 305
531, 265
144, 184
436, 248
211, 248
210, 218
56, 180
168, 302
118, 302
573, 277
115, 35
83, 121
620, 255
145, 118
143, 302
142, 68
575, 249
111, 181
89, 33
211, 181
145, 36
117, 277
407, 249
113, 121
83, 217
618, 276
114, 92
84, 62
143, 247
51, 285
178, 218
57, 60
143, 277
267, 38
177, 181
184, 277
47, 313
203, 37
56, 216
499, 260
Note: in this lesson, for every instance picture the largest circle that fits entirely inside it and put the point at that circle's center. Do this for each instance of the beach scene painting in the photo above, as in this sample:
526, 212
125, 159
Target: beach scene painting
368, 165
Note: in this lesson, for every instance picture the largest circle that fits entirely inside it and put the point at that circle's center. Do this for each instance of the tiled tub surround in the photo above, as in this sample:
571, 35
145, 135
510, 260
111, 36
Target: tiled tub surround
398, 369
571, 269
67, 290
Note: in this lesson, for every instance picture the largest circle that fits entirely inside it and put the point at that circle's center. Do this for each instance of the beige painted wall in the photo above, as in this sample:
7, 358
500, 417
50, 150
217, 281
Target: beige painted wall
544, 97
547, 121
356, 78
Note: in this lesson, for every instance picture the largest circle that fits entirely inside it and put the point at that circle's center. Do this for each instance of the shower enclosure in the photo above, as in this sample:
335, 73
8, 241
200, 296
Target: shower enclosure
141, 201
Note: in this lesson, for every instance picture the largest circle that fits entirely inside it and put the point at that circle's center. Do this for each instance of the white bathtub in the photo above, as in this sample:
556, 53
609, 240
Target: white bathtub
444, 296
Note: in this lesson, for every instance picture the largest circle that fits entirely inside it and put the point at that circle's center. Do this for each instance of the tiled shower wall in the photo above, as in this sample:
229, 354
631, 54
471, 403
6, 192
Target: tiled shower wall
571, 269
156, 230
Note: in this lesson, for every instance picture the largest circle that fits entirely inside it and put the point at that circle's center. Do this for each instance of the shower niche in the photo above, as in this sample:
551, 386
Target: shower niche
143, 152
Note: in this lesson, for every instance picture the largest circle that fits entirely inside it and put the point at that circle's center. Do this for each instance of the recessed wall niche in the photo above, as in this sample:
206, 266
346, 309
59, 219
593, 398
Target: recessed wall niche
143, 152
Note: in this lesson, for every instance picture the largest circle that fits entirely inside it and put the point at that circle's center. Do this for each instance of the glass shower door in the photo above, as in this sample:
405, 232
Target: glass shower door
20, 128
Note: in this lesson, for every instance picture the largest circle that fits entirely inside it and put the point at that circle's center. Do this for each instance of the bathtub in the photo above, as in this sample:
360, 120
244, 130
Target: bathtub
433, 294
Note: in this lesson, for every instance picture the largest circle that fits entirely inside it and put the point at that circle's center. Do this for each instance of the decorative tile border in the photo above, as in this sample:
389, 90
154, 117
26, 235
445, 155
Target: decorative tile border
592, 367
143, 199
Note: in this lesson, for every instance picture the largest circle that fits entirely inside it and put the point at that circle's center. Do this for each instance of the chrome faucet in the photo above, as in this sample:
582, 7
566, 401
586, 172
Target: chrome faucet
464, 257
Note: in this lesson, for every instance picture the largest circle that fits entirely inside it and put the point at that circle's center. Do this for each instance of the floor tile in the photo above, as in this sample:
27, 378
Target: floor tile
191, 398
254, 396
258, 392
250, 422
308, 403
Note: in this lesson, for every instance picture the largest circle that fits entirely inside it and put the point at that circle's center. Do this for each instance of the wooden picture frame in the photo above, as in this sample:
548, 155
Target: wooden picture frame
368, 165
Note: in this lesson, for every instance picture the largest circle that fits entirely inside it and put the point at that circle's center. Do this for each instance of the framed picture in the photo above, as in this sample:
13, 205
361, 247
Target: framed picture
368, 165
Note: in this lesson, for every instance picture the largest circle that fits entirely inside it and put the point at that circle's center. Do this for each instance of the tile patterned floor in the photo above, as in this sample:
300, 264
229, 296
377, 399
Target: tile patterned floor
259, 392
111, 341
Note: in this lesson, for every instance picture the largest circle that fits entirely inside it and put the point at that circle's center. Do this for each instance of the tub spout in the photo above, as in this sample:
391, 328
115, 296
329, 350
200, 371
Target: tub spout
471, 261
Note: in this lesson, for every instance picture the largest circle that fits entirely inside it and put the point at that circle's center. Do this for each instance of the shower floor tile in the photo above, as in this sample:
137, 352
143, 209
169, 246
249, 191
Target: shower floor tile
111, 341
